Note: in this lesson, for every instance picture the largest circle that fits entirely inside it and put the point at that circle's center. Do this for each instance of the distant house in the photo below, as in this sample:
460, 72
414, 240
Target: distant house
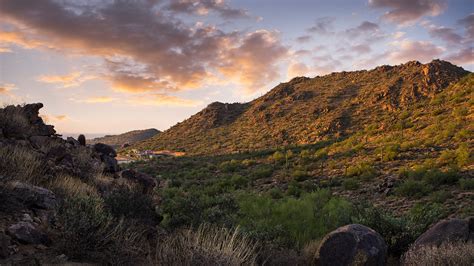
149, 154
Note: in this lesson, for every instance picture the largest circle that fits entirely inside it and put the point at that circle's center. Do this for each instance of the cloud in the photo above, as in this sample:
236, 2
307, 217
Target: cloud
407, 50
253, 62
99, 99
406, 12
463, 56
468, 23
171, 53
159, 99
54, 118
72, 79
297, 69
6, 88
203, 7
364, 29
323, 26
446, 34
361, 48
304, 38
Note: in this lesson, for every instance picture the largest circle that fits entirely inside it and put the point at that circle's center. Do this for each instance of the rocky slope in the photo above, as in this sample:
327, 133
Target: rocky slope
307, 110
127, 138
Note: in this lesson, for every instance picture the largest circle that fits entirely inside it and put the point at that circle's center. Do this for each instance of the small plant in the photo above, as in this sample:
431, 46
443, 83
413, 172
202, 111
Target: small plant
467, 183
459, 253
363, 170
412, 188
299, 175
350, 184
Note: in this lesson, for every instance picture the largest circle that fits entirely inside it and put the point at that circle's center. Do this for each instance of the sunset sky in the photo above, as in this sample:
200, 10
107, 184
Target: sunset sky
113, 66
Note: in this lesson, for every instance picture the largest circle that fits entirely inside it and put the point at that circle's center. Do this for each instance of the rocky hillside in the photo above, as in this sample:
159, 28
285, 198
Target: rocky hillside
307, 110
127, 138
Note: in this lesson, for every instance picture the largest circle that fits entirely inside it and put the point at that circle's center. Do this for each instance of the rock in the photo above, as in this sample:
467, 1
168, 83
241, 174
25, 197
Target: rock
4, 245
34, 196
39, 141
148, 182
26, 218
352, 244
110, 164
445, 231
73, 141
105, 149
27, 233
82, 140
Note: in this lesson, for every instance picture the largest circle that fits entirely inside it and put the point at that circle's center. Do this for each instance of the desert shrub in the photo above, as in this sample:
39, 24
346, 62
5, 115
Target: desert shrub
460, 253
299, 175
398, 232
14, 123
463, 155
68, 186
275, 193
248, 162
350, 184
294, 189
229, 166
436, 177
239, 181
290, 221
262, 171
390, 152
128, 203
19, 163
89, 232
363, 170
412, 188
467, 183
440, 196
208, 245
277, 157
321, 154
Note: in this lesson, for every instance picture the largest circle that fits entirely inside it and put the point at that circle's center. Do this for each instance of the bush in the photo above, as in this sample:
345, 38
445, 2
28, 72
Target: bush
299, 175
412, 188
350, 184
436, 177
131, 204
290, 221
440, 196
229, 166
390, 152
20, 163
363, 170
208, 245
277, 157
262, 171
460, 253
467, 183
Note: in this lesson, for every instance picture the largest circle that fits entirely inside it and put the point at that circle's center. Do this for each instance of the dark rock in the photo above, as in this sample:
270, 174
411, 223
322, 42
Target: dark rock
352, 244
73, 141
27, 233
4, 245
82, 140
447, 231
148, 182
110, 164
39, 141
34, 196
105, 149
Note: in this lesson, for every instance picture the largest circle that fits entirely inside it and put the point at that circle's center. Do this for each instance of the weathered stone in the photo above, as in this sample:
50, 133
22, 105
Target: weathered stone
34, 196
4, 245
82, 140
27, 233
110, 164
446, 231
73, 141
105, 149
352, 244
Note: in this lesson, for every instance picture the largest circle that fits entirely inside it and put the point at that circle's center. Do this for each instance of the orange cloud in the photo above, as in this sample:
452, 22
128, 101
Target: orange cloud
407, 50
297, 69
159, 99
53, 118
73, 79
100, 99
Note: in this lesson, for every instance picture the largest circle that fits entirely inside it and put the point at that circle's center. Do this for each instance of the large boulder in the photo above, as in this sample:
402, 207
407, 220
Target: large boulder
27, 233
447, 231
105, 149
148, 182
107, 155
352, 244
34, 196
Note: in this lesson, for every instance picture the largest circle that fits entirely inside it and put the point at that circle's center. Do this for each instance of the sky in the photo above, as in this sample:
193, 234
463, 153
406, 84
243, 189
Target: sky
105, 66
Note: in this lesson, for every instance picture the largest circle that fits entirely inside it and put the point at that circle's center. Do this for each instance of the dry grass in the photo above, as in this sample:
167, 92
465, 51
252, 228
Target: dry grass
208, 245
456, 254
72, 187
21, 164
310, 250
14, 123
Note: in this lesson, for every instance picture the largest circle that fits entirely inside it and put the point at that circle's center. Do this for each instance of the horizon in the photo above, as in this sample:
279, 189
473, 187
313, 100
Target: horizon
115, 67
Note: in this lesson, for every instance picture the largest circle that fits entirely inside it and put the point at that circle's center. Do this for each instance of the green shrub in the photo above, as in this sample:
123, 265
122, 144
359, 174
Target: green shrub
239, 181
262, 171
412, 188
229, 166
131, 204
436, 177
363, 170
467, 183
350, 184
440, 196
294, 189
463, 155
390, 152
275, 193
299, 175
290, 221
277, 157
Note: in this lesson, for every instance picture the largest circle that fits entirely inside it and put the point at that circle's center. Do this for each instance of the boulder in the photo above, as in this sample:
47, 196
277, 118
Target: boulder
105, 149
147, 181
73, 141
446, 231
34, 196
4, 245
27, 233
82, 140
352, 244
110, 164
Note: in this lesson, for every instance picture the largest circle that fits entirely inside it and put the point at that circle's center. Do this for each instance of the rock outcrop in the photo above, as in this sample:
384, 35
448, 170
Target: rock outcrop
352, 244
447, 231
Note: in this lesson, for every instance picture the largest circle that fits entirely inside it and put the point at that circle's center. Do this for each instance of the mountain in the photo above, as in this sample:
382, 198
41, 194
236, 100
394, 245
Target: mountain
307, 110
130, 137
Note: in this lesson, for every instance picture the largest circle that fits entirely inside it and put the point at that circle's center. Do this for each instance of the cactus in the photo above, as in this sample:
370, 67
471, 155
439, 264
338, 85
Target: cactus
82, 140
